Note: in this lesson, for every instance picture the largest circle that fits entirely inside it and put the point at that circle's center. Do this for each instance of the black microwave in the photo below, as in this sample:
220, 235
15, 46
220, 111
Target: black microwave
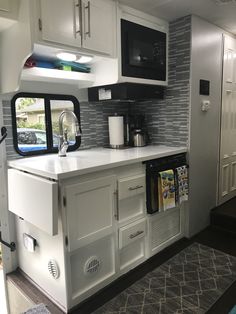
143, 52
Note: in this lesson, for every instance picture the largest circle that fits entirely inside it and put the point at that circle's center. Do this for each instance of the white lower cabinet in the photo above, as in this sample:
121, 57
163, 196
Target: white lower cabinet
92, 267
103, 232
90, 210
132, 244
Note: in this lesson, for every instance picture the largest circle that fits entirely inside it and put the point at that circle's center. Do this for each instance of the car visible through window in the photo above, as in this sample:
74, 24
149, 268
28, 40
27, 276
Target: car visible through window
33, 139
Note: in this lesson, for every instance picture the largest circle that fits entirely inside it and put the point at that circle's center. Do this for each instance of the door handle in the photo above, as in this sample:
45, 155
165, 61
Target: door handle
88, 7
3, 133
77, 17
12, 245
134, 235
132, 188
117, 205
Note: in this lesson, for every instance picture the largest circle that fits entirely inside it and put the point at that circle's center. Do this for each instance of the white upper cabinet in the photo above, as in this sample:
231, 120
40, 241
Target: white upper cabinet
4, 5
98, 25
8, 13
60, 22
89, 25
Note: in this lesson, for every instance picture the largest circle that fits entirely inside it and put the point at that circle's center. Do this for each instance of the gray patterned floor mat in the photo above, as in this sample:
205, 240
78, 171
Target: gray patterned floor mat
38, 309
189, 283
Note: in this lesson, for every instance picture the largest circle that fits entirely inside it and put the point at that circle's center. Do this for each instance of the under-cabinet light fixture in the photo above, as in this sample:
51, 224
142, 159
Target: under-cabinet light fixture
84, 59
66, 56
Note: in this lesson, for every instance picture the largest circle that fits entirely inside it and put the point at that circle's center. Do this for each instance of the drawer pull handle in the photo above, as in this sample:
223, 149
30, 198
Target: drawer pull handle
133, 235
132, 188
116, 205
77, 19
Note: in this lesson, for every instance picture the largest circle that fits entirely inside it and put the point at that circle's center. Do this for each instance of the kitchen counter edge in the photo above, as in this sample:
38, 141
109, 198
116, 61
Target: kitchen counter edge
32, 166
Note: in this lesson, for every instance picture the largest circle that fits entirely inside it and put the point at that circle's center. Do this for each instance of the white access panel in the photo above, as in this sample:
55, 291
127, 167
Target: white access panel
34, 199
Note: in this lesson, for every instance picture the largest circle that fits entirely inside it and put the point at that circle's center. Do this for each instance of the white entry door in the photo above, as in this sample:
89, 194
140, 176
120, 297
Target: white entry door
8, 258
3, 297
227, 173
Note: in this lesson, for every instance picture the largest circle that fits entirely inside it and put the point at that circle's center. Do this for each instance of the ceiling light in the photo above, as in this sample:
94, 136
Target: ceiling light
65, 56
84, 59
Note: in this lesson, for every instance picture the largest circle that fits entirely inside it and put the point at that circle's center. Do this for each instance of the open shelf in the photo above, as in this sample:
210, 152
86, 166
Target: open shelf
82, 80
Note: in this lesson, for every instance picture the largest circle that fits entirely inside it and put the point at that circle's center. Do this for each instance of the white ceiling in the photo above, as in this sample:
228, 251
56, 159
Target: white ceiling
219, 12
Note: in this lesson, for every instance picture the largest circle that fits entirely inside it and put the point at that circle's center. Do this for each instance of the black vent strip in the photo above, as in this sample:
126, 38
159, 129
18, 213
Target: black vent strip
223, 2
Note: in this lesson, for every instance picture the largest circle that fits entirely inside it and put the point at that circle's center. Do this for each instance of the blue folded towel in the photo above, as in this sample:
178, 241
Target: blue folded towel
233, 311
74, 65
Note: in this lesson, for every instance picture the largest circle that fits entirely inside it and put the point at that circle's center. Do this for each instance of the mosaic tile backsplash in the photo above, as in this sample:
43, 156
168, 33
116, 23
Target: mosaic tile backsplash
167, 120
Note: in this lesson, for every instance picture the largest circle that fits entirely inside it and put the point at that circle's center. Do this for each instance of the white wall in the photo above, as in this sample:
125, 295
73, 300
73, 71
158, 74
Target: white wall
206, 63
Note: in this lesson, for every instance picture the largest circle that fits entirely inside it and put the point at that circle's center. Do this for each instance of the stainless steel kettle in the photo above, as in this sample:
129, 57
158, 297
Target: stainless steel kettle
139, 138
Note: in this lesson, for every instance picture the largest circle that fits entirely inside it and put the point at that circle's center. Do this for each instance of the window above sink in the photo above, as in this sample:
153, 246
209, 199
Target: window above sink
35, 119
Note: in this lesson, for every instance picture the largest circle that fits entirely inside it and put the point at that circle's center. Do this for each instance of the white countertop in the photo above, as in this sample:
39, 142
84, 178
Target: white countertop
86, 161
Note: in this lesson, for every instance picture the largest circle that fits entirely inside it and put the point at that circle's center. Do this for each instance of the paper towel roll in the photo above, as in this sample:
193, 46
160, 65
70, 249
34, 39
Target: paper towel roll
116, 130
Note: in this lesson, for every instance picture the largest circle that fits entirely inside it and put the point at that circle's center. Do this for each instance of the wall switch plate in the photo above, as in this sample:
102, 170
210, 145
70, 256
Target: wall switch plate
29, 242
204, 87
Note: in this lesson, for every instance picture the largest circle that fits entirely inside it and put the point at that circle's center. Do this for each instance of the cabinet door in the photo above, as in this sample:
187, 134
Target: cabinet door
98, 25
90, 210
4, 5
61, 21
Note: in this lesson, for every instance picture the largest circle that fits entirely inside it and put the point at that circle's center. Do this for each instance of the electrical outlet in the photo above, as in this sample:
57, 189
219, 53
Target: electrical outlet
29, 242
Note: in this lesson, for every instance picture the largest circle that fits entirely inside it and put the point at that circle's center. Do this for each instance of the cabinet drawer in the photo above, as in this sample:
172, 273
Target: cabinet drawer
132, 232
132, 255
131, 186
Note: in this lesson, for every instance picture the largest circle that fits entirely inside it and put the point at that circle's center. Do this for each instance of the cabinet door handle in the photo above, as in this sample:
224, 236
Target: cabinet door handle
87, 7
77, 18
117, 205
134, 235
132, 188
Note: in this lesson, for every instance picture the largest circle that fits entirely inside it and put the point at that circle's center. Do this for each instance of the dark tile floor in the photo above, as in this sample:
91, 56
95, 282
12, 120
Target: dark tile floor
190, 282
210, 237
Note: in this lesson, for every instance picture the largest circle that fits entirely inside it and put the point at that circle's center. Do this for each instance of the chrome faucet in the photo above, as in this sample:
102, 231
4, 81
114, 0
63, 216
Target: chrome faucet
63, 133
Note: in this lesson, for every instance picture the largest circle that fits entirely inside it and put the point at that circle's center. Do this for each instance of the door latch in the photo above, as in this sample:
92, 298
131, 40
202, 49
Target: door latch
12, 245
3, 134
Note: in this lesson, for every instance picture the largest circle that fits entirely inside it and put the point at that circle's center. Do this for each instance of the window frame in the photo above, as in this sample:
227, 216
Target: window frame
48, 122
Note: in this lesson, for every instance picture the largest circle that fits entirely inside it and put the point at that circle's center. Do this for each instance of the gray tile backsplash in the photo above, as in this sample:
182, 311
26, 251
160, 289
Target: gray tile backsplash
167, 120
94, 121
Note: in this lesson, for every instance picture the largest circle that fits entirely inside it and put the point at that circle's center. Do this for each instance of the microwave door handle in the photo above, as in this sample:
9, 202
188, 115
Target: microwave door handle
143, 58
